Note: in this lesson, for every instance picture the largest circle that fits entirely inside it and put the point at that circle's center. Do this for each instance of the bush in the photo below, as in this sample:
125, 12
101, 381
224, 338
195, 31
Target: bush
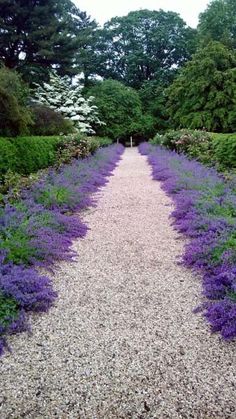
196, 144
224, 146
15, 117
49, 122
25, 155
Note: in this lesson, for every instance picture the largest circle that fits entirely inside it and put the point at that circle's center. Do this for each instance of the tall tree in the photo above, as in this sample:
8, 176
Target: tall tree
218, 22
204, 93
38, 34
144, 45
119, 107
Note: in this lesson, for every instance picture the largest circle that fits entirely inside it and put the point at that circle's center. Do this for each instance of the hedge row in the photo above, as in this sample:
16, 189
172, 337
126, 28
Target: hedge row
25, 155
224, 149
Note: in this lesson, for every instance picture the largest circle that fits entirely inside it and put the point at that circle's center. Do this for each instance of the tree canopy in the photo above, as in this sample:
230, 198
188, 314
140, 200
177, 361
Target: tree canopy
218, 22
204, 93
144, 45
38, 34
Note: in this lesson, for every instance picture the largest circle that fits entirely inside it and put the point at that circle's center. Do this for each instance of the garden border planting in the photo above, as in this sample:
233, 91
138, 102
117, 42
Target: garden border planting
206, 213
38, 229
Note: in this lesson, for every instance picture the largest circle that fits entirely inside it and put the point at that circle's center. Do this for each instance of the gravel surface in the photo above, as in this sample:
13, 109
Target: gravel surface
122, 341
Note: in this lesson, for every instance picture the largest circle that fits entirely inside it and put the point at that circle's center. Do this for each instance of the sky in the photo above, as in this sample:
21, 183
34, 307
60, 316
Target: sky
103, 10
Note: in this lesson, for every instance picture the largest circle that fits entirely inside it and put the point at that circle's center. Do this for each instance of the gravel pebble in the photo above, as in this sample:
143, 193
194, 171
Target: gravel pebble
122, 341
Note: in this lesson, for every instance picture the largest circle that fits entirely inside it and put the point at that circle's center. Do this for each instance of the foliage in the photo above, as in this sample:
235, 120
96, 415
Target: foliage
196, 144
38, 35
218, 23
144, 45
153, 98
27, 154
206, 213
11, 81
212, 149
224, 148
118, 106
48, 122
15, 117
64, 97
204, 93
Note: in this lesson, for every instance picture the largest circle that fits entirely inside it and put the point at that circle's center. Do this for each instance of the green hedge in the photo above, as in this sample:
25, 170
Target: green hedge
25, 155
224, 150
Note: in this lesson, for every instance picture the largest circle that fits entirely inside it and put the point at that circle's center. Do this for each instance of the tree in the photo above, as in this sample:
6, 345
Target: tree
119, 107
38, 34
153, 98
144, 45
64, 97
15, 116
204, 93
218, 22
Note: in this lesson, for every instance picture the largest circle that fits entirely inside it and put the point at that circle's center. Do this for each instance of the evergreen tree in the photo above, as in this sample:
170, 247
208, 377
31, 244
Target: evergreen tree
38, 34
204, 93
218, 22
59, 94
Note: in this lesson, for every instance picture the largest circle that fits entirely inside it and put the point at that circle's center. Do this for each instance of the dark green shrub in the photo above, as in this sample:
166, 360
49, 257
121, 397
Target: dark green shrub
49, 122
224, 146
14, 119
7, 156
34, 153
25, 155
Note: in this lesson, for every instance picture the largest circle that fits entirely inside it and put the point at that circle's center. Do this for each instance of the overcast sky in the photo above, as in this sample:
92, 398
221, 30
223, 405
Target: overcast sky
103, 10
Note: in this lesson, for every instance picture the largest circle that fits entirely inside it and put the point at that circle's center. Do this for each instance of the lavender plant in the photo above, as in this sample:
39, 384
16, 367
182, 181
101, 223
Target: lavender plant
38, 228
205, 211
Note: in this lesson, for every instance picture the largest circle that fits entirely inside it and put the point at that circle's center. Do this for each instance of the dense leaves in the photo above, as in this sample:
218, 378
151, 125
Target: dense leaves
144, 45
204, 93
218, 22
119, 107
34, 35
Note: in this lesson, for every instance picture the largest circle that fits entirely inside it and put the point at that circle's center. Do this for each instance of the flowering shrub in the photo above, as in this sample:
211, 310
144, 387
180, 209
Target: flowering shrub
206, 213
63, 97
38, 228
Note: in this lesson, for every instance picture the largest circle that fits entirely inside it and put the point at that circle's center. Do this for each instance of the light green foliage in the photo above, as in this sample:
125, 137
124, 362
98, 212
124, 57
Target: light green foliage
204, 93
119, 107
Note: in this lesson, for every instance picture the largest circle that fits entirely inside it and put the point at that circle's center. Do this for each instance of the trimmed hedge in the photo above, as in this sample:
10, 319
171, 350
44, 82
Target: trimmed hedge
224, 147
25, 155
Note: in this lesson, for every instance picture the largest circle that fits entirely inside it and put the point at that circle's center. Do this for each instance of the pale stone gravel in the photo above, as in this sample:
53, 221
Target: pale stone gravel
122, 341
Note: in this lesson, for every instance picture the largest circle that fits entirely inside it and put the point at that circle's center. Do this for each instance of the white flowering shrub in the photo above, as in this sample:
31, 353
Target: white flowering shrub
64, 97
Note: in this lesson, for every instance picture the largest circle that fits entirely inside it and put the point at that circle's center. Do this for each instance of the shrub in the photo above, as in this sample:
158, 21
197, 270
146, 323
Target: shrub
14, 120
27, 154
15, 117
47, 122
224, 146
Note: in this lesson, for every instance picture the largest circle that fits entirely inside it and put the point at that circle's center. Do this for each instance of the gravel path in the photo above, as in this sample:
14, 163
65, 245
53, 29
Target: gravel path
122, 341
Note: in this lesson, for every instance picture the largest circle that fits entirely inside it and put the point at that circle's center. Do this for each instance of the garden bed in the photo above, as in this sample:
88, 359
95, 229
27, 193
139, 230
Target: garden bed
38, 229
206, 213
